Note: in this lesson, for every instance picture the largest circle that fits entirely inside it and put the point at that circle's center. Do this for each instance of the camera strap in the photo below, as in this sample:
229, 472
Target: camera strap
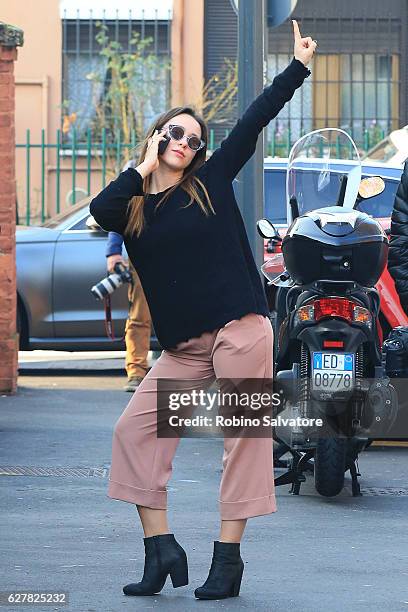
108, 319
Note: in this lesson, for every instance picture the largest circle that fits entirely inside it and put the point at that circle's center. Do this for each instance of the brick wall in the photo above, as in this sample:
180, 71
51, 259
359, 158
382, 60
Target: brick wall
9, 38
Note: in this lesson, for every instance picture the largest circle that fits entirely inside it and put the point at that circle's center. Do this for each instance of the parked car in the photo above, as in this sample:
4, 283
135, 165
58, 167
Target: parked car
379, 207
392, 150
59, 262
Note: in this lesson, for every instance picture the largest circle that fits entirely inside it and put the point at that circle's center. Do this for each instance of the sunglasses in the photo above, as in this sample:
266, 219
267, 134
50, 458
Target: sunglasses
177, 132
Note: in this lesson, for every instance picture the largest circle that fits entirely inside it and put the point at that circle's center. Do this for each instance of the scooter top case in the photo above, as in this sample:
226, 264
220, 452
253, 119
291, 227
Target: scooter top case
333, 243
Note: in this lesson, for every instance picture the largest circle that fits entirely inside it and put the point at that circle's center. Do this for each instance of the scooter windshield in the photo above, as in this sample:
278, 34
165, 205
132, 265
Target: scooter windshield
324, 169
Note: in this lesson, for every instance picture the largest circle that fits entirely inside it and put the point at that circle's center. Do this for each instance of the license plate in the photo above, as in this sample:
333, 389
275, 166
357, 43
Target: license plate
332, 371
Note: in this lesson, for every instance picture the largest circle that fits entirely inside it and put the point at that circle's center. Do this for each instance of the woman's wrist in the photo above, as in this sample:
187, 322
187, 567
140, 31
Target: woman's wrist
305, 64
144, 169
301, 65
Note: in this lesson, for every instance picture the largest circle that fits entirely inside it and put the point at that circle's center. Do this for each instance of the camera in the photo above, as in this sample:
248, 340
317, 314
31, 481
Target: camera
395, 352
108, 285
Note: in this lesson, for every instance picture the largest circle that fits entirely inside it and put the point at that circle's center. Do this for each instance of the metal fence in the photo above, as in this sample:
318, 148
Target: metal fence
84, 166
355, 81
115, 80
359, 74
356, 84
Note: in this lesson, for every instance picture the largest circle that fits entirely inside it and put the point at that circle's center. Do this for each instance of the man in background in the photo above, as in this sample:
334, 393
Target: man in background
138, 324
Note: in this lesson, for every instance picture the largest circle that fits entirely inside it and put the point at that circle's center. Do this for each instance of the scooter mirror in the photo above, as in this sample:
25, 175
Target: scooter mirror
266, 229
371, 186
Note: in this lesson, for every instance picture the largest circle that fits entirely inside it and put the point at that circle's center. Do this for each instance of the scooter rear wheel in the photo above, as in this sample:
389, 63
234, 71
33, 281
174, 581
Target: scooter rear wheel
330, 465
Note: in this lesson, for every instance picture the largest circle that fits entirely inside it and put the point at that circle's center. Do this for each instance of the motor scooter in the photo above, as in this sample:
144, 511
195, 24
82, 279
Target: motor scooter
329, 364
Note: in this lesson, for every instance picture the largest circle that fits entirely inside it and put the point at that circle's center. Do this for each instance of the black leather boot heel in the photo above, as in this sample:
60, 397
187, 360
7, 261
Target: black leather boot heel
224, 579
179, 573
163, 556
237, 584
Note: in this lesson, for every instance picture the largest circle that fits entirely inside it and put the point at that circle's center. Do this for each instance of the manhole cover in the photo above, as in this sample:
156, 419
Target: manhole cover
384, 490
78, 472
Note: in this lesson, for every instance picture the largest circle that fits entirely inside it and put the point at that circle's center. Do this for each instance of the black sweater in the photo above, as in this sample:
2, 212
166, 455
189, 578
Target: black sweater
398, 251
198, 272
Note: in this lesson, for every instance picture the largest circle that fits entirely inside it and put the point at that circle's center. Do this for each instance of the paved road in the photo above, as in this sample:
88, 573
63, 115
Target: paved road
63, 532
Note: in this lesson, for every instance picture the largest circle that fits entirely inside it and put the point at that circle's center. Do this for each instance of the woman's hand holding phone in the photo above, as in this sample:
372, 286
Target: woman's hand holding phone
151, 160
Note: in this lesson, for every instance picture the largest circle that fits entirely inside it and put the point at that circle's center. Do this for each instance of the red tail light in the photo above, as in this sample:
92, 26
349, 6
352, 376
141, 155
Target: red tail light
334, 307
333, 344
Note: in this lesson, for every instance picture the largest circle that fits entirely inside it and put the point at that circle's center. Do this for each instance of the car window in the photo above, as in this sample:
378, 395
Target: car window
64, 215
383, 151
275, 195
80, 225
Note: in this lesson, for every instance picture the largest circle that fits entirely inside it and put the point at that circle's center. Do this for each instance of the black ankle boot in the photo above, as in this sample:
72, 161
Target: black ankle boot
163, 556
224, 579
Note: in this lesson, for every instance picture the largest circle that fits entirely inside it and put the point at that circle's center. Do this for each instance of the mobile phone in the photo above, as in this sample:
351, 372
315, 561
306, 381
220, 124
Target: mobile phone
163, 144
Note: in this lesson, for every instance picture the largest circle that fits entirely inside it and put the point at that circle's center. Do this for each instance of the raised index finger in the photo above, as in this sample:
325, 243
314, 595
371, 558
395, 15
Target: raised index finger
296, 30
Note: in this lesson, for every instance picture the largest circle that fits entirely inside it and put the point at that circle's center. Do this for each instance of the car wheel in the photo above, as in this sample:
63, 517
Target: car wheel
21, 327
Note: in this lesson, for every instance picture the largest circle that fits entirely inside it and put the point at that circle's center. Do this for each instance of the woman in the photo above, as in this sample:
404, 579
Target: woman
185, 236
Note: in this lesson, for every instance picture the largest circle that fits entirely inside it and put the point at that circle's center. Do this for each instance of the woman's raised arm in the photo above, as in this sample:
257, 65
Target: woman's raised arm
240, 144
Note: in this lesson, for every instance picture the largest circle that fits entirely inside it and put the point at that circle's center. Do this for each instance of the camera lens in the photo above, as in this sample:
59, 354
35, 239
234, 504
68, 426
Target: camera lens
106, 286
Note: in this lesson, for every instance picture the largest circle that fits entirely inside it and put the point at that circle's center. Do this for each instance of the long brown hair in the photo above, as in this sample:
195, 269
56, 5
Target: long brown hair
189, 183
